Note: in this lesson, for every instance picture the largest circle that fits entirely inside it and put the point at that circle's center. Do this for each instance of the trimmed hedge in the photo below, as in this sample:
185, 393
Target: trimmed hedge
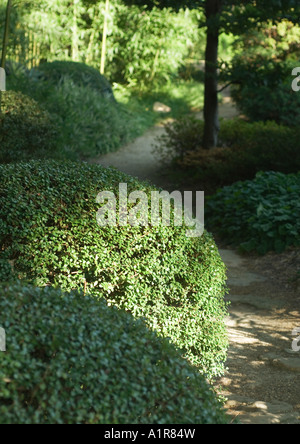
72, 360
244, 150
80, 101
26, 130
258, 215
82, 75
50, 236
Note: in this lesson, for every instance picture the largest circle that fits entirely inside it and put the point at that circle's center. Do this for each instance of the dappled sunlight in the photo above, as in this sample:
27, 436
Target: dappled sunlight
263, 372
102, 105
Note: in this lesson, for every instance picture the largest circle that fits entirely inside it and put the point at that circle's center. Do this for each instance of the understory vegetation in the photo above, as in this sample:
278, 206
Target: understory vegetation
27, 130
245, 148
252, 199
260, 73
90, 118
127, 324
49, 233
259, 215
73, 360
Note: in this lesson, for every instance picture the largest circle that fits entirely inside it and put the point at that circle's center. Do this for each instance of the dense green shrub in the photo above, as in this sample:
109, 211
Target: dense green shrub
261, 146
79, 73
271, 41
264, 91
181, 136
48, 229
26, 130
244, 149
71, 359
88, 121
259, 215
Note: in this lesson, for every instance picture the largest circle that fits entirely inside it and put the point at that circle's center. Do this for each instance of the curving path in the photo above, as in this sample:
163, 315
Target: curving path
262, 383
137, 158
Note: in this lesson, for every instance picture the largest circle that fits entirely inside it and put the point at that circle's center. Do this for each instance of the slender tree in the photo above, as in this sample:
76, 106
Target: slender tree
4, 50
213, 9
75, 49
226, 16
6, 33
103, 51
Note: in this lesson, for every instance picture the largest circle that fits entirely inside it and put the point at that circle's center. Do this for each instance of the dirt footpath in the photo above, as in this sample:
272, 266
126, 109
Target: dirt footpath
137, 158
262, 382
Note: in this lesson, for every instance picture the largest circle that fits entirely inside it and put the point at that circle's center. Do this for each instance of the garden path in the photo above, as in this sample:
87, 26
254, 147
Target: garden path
137, 158
262, 383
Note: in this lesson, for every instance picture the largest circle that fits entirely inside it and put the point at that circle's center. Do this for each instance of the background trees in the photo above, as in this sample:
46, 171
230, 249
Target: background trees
227, 16
143, 43
6, 33
142, 46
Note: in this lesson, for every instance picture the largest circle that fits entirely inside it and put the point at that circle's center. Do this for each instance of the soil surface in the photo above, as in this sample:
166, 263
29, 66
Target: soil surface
262, 382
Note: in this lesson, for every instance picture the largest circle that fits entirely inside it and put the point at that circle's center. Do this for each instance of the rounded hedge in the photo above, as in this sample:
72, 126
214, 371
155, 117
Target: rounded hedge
89, 121
49, 235
26, 130
81, 75
70, 359
244, 150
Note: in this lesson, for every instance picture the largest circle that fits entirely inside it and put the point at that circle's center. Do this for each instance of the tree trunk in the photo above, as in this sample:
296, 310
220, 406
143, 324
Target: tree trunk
6, 33
211, 118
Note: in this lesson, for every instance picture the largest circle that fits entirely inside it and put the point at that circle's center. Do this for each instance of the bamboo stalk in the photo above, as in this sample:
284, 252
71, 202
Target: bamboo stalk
30, 52
4, 49
34, 51
38, 53
25, 50
75, 49
89, 53
6, 33
103, 51
154, 65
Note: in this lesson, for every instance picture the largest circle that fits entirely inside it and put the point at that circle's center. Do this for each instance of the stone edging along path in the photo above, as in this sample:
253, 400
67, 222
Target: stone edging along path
262, 383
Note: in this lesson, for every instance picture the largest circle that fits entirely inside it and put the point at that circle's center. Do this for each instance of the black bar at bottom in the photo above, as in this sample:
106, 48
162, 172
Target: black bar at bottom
139, 433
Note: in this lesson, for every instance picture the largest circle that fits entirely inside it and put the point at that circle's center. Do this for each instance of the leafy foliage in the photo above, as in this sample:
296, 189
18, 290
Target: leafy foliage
261, 72
137, 52
264, 91
259, 215
88, 119
27, 131
80, 74
72, 360
154, 46
271, 42
183, 135
244, 149
87, 123
49, 232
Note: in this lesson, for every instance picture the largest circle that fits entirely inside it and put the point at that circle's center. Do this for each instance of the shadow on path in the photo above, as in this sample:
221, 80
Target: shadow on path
263, 379
262, 383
